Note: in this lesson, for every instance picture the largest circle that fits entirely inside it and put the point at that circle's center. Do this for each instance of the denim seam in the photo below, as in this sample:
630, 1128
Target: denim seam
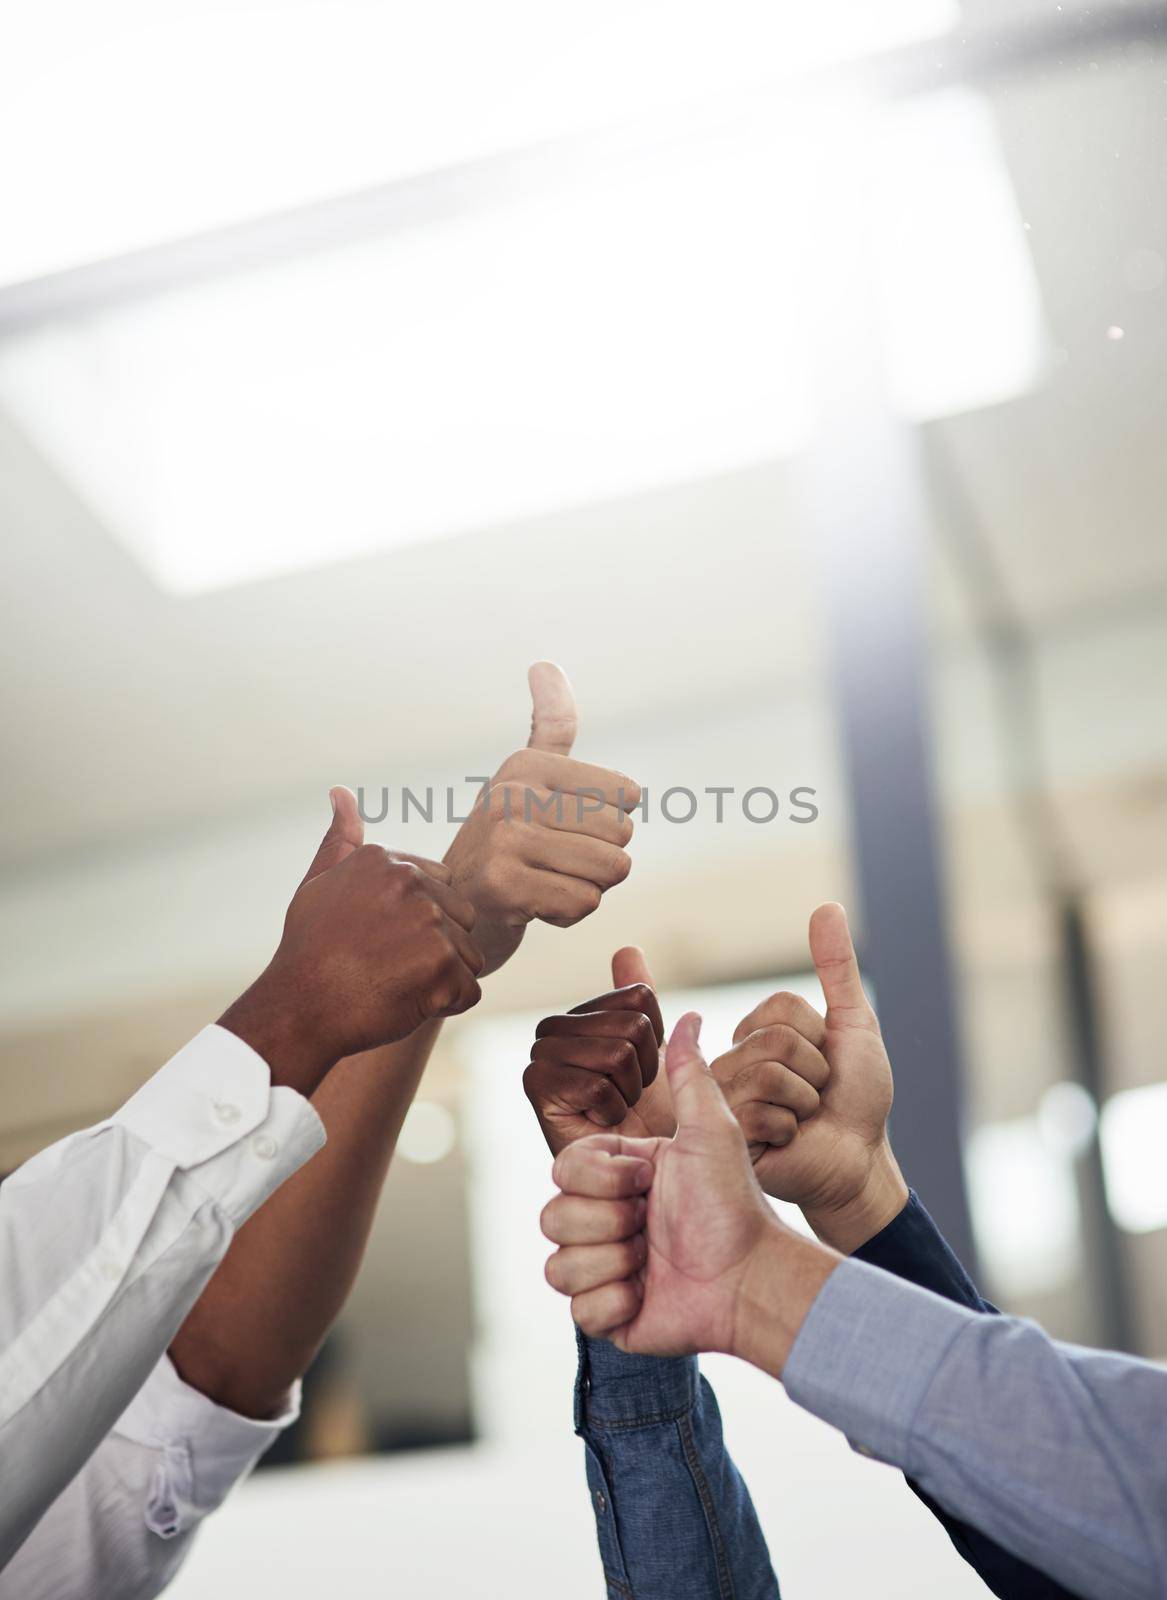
701, 1484
648, 1420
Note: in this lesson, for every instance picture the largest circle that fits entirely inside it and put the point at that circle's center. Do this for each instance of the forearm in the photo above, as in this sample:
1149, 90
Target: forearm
912, 1247
673, 1514
265, 1313
1050, 1451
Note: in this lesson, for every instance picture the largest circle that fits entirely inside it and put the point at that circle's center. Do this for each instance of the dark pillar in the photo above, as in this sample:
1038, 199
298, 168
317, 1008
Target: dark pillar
866, 511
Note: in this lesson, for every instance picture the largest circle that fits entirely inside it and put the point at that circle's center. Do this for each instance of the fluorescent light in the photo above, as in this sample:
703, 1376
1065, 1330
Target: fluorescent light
1025, 1207
959, 298
139, 121
428, 1133
490, 366
625, 331
1133, 1134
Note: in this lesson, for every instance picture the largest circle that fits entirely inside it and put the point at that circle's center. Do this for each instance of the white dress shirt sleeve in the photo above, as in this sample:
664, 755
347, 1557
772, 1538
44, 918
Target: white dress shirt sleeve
106, 1241
122, 1528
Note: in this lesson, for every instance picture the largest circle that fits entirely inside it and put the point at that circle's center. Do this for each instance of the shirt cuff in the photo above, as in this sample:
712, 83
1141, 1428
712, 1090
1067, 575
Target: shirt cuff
212, 1112
214, 1092
867, 1354
204, 1450
614, 1389
913, 1248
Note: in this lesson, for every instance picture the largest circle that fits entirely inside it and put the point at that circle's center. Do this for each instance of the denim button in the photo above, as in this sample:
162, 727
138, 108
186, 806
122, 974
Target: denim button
601, 1503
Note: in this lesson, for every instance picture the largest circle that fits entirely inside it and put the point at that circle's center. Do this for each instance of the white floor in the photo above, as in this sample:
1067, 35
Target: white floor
501, 1521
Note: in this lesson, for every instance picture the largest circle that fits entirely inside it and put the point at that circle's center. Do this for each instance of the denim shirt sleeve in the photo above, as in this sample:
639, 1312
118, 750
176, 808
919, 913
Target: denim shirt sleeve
912, 1247
673, 1516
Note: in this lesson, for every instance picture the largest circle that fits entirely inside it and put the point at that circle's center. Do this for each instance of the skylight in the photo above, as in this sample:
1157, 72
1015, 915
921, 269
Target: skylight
138, 121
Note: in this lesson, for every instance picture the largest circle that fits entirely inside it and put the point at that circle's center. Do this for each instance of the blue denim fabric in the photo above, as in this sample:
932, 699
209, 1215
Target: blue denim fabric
912, 1247
674, 1518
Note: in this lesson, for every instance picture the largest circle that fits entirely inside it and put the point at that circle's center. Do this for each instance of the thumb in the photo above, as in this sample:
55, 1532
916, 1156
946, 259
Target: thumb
346, 833
629, 966
553, 719
834, 960
696, 1097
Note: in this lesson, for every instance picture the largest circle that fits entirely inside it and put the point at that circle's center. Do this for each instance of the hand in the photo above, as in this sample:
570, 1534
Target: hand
669, 1275
548, 835
374, 944
836, 1161
601, 1064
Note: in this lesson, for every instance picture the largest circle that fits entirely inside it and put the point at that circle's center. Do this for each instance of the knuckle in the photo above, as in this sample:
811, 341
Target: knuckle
621, 866
584, 1318
641, 1030
553, 1270
780, 1038
589, 901
443, 995
771, 1079
518, 762
748, 1117
596, 1092
619, 1052
784, 1125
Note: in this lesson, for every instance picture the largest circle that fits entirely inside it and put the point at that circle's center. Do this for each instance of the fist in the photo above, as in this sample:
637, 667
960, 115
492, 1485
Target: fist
772, 1079
548, 835
592, 1067
813, 1093
374, 944
377, 946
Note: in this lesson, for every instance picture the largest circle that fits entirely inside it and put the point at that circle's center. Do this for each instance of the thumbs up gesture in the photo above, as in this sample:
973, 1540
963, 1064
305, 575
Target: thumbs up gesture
374, 944
813, 1094
548, 835
660, 1239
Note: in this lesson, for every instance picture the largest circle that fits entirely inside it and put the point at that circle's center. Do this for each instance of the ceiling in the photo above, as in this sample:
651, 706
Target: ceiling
126, 711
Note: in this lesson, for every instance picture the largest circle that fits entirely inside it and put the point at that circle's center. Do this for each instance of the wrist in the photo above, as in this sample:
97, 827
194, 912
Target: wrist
848, 1223
267, 1018
782, 1281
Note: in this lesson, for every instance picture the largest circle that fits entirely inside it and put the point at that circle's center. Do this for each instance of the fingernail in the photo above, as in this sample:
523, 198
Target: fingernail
643, 1178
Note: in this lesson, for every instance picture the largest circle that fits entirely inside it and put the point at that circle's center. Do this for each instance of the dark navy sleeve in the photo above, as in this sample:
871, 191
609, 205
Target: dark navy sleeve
912, 1247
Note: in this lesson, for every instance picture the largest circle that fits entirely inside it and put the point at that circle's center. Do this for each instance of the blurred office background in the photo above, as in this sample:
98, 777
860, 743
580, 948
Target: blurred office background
792, 374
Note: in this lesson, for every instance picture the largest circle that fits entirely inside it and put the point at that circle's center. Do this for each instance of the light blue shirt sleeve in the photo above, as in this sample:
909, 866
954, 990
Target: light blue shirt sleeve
1054, 1451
